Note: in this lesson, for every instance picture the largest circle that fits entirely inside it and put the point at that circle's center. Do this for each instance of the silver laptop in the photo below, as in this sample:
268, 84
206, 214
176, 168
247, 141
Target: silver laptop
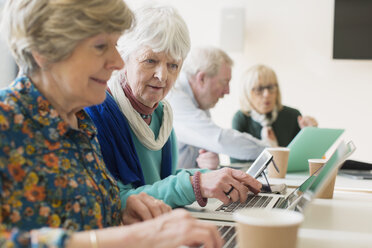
320, 181
295, 200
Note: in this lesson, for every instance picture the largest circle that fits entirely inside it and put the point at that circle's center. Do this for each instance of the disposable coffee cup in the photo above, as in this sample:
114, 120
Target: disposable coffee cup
257, 227
327, 191
280, 157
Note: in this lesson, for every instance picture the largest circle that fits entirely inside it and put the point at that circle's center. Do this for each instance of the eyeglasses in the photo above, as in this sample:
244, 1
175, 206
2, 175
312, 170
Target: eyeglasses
272, 88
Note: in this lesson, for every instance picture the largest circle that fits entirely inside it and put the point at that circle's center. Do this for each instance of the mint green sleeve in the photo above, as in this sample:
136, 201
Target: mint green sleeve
175, 190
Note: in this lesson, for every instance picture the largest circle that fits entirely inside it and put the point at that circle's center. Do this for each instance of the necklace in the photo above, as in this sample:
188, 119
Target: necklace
145, 116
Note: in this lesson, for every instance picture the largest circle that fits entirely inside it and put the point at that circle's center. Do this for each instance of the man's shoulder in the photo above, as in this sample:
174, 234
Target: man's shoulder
180, 93
180, 100
177, 93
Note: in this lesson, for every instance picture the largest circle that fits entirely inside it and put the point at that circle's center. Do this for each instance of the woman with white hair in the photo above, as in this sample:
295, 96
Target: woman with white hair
261, 111
135, 122
55, 188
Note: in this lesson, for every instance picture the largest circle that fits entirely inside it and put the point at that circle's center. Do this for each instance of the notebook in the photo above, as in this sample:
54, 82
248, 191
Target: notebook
216, 210
310, 142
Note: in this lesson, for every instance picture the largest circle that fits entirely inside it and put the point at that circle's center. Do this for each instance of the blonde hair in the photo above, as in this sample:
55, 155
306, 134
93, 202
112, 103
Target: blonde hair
206, 59
53, 28
257, 75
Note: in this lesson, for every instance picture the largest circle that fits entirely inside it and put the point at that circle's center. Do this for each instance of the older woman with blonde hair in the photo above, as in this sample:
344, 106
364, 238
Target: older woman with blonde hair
55, 188
261, 111
135, 122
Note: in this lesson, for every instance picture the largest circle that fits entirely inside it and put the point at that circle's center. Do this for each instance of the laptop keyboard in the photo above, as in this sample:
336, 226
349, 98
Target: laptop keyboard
228, 234
253, 201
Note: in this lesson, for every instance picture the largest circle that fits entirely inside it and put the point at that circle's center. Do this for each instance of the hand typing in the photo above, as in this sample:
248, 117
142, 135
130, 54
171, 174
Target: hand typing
216, 184
143, 207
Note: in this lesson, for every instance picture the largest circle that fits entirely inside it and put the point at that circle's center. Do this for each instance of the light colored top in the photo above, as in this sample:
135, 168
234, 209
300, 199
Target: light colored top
176, 189
195, 129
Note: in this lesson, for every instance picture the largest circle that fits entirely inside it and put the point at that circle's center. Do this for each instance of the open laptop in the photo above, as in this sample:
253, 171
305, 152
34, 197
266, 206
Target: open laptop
216, 210
320, 181
310, 142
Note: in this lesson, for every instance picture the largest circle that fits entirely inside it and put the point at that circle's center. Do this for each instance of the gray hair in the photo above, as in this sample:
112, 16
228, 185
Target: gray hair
160, 28
206, 59
54, 28
258, 74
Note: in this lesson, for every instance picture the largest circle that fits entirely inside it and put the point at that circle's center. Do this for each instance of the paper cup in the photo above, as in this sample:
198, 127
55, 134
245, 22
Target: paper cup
327, 191
258, 227
280, 156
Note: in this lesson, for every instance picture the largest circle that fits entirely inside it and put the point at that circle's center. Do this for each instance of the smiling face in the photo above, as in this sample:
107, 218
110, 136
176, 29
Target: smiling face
151, 75
81, 79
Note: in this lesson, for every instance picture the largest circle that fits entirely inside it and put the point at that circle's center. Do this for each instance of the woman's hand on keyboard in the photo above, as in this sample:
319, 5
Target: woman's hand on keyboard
143, 207
175, 229
228, 185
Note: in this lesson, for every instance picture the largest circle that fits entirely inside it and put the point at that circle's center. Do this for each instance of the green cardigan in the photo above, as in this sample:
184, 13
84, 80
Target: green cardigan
175, 190
285, 127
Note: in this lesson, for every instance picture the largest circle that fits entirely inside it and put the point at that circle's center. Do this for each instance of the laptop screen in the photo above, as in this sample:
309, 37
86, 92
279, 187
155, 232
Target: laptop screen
299, 191
310, 142
339, 156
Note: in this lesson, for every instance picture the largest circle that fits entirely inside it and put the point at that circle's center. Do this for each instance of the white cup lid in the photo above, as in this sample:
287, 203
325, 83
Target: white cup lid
268, 217
317, 160
284, 149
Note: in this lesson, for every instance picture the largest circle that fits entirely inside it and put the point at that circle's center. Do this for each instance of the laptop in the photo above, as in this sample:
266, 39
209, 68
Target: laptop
356, 170
216, 210
320, 181
227, 231
357, 174
310, 142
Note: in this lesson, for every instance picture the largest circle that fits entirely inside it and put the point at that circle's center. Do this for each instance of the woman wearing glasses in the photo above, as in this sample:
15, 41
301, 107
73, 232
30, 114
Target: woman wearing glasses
261, 111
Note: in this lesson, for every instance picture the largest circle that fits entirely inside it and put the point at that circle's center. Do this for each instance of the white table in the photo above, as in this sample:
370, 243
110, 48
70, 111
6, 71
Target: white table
342, 183
344, 221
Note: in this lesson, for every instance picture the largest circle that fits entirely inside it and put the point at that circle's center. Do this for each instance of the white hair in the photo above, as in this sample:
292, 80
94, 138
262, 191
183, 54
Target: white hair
160, 28
205, 59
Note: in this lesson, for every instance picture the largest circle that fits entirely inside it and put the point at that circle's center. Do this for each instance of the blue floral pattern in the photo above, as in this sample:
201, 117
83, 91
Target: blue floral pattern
50, 174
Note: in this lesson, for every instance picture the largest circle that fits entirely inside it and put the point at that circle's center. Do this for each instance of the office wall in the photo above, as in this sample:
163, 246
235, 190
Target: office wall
294, 38
7, 65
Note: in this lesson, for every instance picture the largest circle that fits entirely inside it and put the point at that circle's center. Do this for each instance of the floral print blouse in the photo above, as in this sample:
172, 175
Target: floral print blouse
50, 174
